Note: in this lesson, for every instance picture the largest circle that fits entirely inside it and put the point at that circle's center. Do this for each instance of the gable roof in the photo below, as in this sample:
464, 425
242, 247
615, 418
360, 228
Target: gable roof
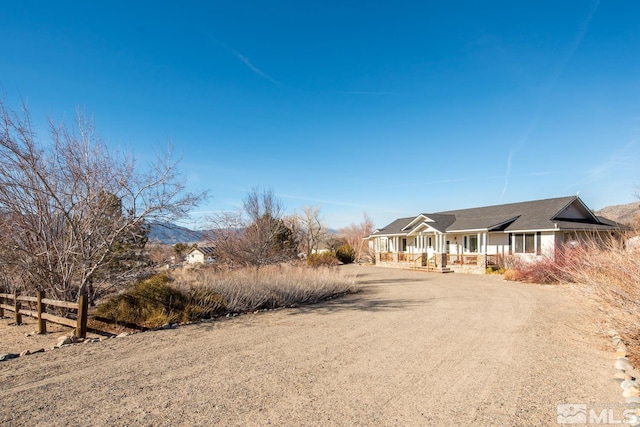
396, 227
205, 250
437, 221
561, 213
532, 215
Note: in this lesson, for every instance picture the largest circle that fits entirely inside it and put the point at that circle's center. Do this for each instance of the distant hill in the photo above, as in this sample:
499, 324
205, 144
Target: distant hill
170, 234
624, 214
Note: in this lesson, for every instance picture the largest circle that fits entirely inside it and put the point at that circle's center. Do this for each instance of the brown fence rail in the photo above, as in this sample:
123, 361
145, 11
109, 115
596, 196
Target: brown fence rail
462, 259
13, 302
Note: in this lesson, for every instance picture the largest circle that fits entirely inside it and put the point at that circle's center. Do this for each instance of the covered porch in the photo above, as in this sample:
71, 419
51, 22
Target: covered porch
434, 251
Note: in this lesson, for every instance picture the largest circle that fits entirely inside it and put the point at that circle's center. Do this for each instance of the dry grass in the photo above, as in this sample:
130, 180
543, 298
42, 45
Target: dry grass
191, 294
251, 289
155, 301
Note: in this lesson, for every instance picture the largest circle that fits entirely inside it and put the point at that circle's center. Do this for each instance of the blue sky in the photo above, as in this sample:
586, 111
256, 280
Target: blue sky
386, 108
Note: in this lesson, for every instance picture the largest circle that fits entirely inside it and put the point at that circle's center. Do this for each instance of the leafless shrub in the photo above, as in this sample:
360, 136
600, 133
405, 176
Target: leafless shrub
544, 270
613, 272
324, 259
606, 269
354, 236
254, 236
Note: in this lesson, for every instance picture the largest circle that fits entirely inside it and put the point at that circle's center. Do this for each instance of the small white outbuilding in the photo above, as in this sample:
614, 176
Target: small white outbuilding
201, 255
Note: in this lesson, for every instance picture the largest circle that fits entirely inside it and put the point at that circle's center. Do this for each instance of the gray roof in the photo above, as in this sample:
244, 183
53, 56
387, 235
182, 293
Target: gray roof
440, 221
396, 227
563, 213
206, 250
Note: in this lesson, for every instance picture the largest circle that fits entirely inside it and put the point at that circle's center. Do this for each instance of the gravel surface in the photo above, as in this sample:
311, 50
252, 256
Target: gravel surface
411, 348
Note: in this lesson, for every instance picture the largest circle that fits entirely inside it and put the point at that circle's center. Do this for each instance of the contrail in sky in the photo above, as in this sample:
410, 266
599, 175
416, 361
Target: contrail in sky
577, 41
523, 141
506, 176
241, 58
252, 67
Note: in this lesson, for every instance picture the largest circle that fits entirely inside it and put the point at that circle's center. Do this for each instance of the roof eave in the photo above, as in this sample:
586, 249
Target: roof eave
470, 230
389, 234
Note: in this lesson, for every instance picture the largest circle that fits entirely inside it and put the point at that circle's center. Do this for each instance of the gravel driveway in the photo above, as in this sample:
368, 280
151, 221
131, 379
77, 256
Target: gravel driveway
411, 349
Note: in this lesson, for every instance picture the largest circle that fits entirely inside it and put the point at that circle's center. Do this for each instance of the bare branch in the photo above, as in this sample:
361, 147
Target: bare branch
72, 207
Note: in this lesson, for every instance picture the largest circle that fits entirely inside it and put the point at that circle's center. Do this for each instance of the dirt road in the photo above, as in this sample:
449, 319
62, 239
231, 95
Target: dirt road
410, 349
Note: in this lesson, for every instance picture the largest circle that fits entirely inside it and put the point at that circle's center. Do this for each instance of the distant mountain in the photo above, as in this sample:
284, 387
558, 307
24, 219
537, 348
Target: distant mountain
170, 234
625, 214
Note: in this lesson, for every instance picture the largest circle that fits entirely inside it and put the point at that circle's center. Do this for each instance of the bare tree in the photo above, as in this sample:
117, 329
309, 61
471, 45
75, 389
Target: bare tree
71, 206
255, 236
312, 231
354, 235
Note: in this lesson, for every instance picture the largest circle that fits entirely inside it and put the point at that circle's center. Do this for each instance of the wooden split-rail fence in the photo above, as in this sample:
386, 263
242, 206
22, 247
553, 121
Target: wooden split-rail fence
36, 307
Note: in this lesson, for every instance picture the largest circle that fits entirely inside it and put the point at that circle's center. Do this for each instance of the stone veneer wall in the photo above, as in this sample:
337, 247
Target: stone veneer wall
467, 268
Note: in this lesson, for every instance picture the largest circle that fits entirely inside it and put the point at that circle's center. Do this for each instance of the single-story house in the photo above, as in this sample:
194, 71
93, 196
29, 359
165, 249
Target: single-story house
201, 255
469, 240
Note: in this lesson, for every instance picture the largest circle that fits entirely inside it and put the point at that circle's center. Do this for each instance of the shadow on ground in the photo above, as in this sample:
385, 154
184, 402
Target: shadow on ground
361, 301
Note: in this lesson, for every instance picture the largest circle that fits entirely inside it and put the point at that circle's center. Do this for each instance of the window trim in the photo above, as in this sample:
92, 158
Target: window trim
526, 243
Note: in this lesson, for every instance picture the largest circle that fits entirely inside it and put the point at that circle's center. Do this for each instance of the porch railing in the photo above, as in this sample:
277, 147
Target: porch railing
386, 256
416, 260
462, 259
404, 256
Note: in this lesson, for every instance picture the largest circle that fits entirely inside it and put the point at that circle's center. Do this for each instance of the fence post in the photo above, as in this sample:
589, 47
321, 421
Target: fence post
83, 305
16, 306
42, 324
1, 309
